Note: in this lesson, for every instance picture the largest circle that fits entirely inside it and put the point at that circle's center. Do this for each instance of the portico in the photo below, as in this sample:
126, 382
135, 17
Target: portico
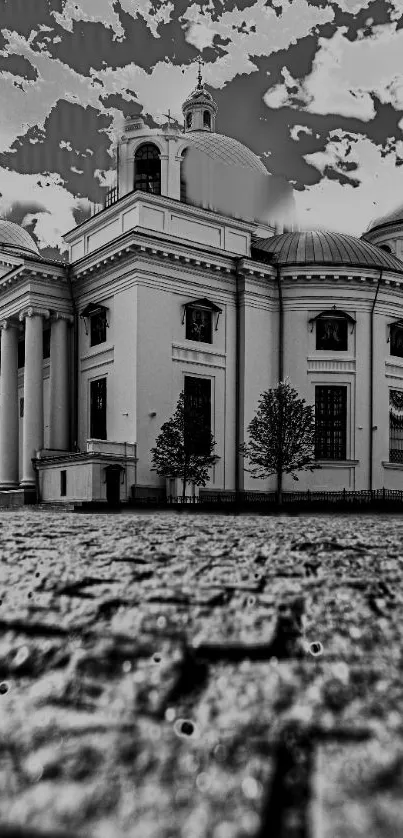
34, 317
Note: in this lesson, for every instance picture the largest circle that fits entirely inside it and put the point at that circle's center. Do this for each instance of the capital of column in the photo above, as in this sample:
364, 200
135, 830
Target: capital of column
32, 311
60, 315
9, 323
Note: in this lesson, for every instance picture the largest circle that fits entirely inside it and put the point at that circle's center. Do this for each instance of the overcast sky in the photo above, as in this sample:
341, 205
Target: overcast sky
315, 88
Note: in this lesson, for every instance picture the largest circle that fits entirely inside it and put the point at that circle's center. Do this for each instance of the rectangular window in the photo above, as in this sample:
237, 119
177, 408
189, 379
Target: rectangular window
21, 353
396, 341
331, 334
63, 483
396, 426
198, 413
98, 328
330, 422
46, 343
98, 409
199, 325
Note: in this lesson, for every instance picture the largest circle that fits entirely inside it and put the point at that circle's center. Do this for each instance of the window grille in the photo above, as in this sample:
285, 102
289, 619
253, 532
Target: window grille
98, 409
396, 426
330, 422
147, 169
197, 414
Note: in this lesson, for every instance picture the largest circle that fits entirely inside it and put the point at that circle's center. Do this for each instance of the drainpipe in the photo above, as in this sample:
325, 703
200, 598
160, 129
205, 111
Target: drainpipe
280, 362
74, 434
371, 385
238, 275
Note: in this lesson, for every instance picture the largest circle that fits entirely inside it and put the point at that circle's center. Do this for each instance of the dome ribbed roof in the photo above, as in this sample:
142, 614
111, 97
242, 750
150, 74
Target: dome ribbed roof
325, 248
16, 238
226, 149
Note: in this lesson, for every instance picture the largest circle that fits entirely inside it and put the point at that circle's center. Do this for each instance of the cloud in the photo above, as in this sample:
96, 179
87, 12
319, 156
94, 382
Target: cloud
94, 11
254, 32
57, 205
348, 208
345, 74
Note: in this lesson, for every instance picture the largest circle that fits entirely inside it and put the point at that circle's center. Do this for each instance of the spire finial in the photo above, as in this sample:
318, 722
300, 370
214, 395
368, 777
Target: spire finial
199, 75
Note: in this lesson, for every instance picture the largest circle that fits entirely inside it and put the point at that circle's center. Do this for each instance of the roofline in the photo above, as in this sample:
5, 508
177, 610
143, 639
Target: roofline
381, 226
343, 265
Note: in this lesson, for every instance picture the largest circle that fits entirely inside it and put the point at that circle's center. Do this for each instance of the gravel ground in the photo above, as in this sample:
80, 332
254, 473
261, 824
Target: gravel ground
169, 675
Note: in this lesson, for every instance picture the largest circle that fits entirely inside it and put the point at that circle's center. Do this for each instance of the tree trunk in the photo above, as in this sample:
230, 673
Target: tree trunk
280, 487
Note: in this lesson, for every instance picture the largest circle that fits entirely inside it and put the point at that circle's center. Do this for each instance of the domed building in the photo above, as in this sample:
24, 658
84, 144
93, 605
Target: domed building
193, 277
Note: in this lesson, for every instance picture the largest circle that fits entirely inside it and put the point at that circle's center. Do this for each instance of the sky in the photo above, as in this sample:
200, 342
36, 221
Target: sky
315, 88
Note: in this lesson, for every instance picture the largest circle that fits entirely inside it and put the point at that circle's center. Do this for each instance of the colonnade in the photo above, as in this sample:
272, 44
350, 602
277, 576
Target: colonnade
33, 420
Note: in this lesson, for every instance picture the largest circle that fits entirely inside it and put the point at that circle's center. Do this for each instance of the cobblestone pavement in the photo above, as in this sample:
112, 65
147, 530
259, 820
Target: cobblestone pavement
170, 675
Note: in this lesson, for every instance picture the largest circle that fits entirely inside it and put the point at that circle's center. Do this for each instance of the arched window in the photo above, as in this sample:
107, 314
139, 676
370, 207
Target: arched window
183, 191
147, 169
189, 120
206, 119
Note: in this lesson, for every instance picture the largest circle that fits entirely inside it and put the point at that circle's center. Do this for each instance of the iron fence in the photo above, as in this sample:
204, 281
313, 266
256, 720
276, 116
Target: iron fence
228, 500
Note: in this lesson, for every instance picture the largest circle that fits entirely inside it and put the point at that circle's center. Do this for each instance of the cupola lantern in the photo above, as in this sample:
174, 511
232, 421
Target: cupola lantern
199, 109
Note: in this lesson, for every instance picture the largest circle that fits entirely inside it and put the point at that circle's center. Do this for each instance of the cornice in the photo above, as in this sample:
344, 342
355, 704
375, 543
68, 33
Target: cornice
145, 246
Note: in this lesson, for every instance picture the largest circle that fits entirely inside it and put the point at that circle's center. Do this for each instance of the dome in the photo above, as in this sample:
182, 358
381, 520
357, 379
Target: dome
225, 149
16, 239
325, 248
393, 217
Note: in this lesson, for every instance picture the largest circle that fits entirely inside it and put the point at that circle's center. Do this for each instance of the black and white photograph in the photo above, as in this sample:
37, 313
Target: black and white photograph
201, 419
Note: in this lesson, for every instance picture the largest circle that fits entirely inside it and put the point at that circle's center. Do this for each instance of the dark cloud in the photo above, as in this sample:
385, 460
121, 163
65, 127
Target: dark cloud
85, 129
18, 65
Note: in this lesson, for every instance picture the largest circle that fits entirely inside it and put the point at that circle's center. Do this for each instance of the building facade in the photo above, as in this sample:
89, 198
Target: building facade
193, 278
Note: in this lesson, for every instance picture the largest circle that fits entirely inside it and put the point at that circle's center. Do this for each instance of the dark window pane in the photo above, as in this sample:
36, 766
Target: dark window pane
188, 120
330, 423
183, 189
331, 334
396, 341
396, 426
197, 414
98, 328
63, 482
46, 343
98, 409
147, 169
199, 325
206, 119
21, 353
21, 407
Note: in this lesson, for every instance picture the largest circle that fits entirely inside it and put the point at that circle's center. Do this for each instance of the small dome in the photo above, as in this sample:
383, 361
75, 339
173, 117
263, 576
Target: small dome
225, 149
325, 248
16, 239
394, 217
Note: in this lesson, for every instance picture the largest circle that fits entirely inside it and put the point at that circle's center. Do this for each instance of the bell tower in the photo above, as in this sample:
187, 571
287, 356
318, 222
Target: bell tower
199, 109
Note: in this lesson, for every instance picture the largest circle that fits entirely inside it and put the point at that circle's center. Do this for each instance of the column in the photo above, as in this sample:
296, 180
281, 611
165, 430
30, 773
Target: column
59, 382
9, 419
33, 392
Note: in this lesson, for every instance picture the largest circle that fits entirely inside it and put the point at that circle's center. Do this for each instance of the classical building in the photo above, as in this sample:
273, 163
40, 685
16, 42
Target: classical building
194, 277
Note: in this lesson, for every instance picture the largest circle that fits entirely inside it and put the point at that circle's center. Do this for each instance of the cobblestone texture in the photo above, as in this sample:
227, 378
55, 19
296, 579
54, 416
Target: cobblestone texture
200, 676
